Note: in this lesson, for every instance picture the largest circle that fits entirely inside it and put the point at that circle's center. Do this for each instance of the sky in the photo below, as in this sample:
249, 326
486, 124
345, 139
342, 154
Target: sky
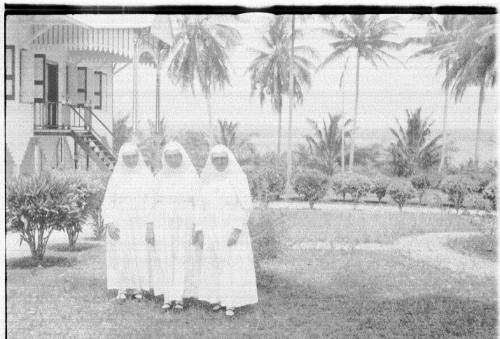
385, 92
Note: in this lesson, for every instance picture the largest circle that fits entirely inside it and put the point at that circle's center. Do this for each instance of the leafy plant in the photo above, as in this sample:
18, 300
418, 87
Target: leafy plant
421, 183
39, 205
457, 187
337, 182
490, 193
326, 142
400, 191
196, 145
264, 227
379, 186
266, 183
310, 184
357, 186
411, 151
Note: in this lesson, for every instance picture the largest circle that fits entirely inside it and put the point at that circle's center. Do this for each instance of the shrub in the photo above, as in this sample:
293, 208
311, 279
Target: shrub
310, 184
263, 226
337, 182
490, 193
421, 183
457, 187
38, 205
99, 183
357, 186
477, 202
379, 186
400, 191
266, 183
196, 145
85, 187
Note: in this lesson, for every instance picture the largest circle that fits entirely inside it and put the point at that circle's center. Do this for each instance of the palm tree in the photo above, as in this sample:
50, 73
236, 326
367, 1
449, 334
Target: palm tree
200, 56
441, 30
227, 132
473, 55
270, 70
366, 34
411, 151
326, 142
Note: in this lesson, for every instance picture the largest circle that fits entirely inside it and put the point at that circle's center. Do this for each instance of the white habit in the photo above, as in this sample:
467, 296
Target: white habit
127, 204
227, 273
175, 259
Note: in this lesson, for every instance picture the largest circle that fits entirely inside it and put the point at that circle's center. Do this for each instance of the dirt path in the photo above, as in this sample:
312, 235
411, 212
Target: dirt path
429, 247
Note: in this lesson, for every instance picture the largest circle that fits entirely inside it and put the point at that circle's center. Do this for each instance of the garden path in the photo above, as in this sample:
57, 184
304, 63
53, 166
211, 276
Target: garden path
428, 247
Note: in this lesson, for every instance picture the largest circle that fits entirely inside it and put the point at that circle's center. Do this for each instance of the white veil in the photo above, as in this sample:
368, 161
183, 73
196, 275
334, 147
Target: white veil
186, 164
128, 182
233, 172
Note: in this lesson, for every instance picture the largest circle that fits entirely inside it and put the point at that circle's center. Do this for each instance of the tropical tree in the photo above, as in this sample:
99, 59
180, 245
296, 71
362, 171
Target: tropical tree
121, 133
270, 70
412, 151
243, 149
473, 54
367, 36
325, 143
200, 56
441, 31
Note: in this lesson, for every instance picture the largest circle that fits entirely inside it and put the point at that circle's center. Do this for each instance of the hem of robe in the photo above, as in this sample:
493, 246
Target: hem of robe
249, 301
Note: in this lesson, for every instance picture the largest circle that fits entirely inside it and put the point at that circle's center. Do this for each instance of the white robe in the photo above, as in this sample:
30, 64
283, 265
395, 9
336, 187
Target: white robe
227, 273
175, 260
127, 204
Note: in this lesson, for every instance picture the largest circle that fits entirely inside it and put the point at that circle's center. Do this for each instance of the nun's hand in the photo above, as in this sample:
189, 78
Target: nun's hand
113, 231
233, 238
150, 235
198, 238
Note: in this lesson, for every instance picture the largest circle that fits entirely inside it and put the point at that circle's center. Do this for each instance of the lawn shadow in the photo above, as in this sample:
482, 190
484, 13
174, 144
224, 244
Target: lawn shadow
325, 309
79, 247
48, 261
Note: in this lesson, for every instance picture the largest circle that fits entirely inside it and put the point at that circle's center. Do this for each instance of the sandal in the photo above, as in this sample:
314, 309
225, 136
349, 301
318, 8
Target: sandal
216, 308
138, 296
230, 312
121, 297
178, 306
166, 306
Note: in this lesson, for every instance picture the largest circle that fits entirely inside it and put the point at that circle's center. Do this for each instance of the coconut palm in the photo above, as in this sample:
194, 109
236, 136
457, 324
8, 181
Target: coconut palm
441, 30
200, 56
227, 133
473, 55
326, 142
243, 149
367, 36
411, 151
270, 70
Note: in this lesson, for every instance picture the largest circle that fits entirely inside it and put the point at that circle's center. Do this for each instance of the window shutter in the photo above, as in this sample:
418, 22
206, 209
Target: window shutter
72, 94
104, 92
27, 88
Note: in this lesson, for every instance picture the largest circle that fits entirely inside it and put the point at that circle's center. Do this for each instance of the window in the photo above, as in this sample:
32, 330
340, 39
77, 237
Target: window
98, 90
104, 92
39, 75
82, 86
10, 61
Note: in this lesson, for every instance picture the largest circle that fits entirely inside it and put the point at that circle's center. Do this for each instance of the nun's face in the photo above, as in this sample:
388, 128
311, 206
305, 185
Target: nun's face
173, 159
220, 162
130, 160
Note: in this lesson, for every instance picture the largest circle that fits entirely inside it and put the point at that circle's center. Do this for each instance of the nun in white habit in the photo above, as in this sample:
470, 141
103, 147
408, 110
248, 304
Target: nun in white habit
227, 277
176, 259
126, 211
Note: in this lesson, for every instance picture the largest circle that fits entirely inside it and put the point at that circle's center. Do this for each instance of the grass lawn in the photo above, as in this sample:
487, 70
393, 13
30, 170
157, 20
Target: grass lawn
302, 294
476, 245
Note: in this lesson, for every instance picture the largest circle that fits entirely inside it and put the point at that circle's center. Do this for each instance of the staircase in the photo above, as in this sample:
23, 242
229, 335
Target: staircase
57, 118
96, 149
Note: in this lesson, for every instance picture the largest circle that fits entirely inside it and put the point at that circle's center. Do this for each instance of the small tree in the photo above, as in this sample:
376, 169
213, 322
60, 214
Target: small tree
400, 191
379, 186
490, 193
310, 184
357, 186
38, 205
266, 183
421, 183
457, 187
337, 182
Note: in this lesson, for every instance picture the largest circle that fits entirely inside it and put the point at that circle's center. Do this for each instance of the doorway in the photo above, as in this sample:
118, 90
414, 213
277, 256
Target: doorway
52, 94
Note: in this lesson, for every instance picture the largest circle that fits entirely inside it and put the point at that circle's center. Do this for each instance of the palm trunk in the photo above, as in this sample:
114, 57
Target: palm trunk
445, 119
279, 132
478, 127
290, 110
209, 111
355, 118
